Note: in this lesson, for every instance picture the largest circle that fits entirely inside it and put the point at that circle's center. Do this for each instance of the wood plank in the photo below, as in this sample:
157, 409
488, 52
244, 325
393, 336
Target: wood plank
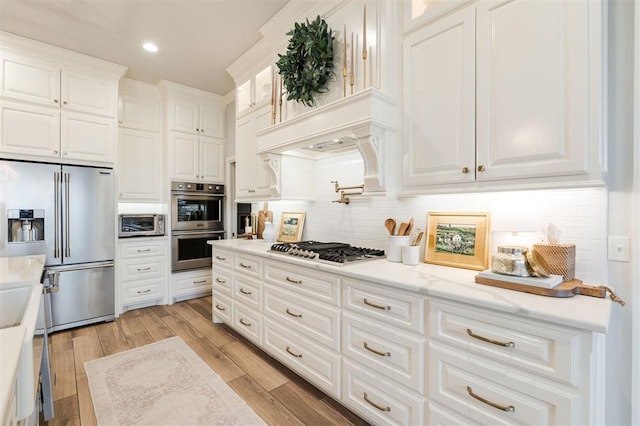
85, 348
63, 374
181, 327
202, 308
263, 403
345, 412
218, 335
216, 359
133, 330
60, 341
160, 310
66, 412
83, 331
154, 324
306, 407
256, 366
111, 338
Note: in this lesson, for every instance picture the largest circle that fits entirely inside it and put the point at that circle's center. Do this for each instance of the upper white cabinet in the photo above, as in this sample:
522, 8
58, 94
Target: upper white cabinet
419, 12
504, 90
255, 91
252, 180
195, 124
56, 104
139, 106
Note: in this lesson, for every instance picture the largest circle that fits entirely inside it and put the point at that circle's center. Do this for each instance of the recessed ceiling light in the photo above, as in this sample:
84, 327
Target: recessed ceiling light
150, 47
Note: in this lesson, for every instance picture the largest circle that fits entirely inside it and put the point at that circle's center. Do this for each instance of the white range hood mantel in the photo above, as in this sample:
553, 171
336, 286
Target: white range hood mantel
365, 116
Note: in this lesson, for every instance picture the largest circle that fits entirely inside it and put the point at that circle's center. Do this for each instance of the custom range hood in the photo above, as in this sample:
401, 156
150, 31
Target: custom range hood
362, 121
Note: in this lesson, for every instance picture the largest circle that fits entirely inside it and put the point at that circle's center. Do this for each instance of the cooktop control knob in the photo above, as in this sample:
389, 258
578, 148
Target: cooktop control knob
188, 186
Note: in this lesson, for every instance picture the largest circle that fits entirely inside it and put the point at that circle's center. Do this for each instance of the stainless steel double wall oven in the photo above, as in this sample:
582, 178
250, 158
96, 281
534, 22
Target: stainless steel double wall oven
196, 217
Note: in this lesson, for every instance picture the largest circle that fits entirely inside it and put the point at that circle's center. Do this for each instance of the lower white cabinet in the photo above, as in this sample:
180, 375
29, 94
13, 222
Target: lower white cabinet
142, 277
190, 284
247, 322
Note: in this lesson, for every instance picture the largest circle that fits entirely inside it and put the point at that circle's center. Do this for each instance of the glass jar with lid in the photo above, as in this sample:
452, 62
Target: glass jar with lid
510, 260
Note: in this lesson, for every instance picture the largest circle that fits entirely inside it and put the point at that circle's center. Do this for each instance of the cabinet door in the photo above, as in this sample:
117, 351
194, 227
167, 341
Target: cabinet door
29, 130
533, 88
439, 102
245, 153
184, 155
29, 79
137, 148
184, 116
211, 121
87, 137
263, 87
262, 180
89, 93
244, 97
138, 113
211, 159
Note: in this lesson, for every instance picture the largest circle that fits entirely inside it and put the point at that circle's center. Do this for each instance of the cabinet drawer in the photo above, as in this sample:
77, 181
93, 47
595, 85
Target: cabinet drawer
247, 322
129, 250
530, 345
249, 265
223, 258
319, 286
315, 320
393, 307
491, 393
222, 280
394, 353
315, 362
221, 307
202, 283
247, 291
379, 400
141, 268
142, 290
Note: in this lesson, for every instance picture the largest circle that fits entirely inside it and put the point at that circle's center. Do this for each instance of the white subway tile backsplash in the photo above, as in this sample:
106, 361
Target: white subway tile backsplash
580, 214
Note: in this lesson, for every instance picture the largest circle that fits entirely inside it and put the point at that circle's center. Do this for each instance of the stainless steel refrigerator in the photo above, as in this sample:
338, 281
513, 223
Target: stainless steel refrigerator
67, 213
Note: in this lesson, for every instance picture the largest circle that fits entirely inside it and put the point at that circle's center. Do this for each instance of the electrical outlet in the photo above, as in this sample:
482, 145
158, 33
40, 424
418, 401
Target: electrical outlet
619, 250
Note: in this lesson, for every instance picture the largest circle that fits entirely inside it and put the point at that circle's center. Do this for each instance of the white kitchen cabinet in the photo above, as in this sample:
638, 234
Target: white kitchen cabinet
190, 284
142, 277
136, 183
252, 179
191, 116
504, 90
139, 106
221, 286
254, 92
89, 138
196, 157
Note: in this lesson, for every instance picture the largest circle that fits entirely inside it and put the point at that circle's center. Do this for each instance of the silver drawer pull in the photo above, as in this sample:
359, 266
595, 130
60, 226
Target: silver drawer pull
377, 352
221, 258
494, 342
379, 407
143, 250
148, 268
218, 280
144, 291
508, 408
243, 291
291, 280
385, 308
200, 282
292, 314
220, 308
245, 266
247, 324
294, 354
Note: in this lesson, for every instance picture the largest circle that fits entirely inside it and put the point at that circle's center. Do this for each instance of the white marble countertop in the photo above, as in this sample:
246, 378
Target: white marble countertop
11, 344
584, 312
21, 270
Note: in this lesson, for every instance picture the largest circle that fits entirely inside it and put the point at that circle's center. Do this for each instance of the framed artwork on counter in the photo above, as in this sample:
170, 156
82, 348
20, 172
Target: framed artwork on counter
291, 224
456, 239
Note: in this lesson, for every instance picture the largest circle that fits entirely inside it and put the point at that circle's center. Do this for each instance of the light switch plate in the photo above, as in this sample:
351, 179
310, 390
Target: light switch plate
619, 250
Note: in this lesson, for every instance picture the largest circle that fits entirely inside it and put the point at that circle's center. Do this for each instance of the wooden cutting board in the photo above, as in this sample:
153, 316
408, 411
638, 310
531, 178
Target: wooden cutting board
264, 215
566, 289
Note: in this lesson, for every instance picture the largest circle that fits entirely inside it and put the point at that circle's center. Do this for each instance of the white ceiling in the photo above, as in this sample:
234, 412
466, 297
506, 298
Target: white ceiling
197, 39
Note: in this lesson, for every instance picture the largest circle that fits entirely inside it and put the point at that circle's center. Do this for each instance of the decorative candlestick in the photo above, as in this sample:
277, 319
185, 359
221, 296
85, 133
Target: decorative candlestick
273, 97
352, 82
280, 96
344, 62
364, 48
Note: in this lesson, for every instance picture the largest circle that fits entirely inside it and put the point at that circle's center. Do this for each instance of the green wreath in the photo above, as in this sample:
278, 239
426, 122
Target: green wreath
307, 66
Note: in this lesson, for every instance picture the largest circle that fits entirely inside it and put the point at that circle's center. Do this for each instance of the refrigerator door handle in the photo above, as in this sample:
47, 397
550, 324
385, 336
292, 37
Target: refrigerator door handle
81, 266
67, 248
56, 214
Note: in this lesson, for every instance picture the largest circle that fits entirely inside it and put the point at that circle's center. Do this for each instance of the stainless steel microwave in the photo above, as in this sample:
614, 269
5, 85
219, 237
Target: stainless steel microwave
140, 225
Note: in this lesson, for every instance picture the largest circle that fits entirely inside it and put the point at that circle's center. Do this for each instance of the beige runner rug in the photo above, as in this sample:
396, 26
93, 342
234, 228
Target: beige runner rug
163, 383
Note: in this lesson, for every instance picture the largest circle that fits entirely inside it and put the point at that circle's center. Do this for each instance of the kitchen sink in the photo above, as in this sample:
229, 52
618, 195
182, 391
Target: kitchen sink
21, 306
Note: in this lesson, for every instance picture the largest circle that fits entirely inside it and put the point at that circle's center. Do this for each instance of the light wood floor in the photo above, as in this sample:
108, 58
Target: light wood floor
276, 394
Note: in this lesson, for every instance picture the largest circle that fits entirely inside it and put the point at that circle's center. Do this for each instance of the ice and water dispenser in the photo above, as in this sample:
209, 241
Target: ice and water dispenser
25, 225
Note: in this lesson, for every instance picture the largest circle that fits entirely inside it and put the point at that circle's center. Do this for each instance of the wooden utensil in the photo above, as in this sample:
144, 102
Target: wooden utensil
264, 215
403, 228
416, 242
409, 226
390, 224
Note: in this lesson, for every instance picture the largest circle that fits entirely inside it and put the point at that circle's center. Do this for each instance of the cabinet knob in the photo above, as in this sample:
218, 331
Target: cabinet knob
465, 170
197, 130
56, 101
119, 121
64, 102
201, 130
481, 168
55, 151
64, 152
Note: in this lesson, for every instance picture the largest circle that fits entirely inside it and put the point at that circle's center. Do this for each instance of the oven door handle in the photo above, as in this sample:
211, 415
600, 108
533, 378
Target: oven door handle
203, 232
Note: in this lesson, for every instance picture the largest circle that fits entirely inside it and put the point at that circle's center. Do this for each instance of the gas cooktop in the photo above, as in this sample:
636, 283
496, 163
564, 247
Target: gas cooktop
334, 253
